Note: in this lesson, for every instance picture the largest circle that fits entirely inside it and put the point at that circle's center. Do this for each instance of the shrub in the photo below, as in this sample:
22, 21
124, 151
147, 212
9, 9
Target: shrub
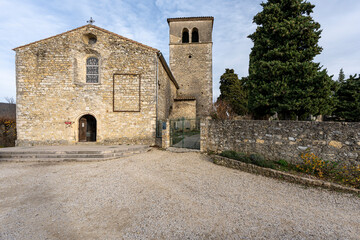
235, 155
229, 154
282, 163
349, 175
222, 111
7, 132
316, 166
312, 164
259, 160
331, 170
255, 159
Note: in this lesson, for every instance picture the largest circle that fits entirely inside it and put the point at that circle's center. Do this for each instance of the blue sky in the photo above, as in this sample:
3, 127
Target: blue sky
25, 21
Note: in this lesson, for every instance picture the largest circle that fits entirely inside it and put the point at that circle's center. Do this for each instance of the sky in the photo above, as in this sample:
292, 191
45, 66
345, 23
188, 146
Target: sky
26, 21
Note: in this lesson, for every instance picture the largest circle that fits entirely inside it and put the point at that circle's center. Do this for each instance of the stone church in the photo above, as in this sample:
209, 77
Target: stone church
92, 85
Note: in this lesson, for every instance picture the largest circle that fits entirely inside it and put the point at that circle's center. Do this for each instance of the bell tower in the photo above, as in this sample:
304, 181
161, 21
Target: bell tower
191, 59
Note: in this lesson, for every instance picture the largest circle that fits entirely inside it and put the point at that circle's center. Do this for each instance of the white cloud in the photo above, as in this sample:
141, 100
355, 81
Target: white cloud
21, 23
25, 21
340, 35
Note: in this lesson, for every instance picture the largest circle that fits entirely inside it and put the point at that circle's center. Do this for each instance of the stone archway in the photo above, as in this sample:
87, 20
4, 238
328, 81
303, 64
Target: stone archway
87, 128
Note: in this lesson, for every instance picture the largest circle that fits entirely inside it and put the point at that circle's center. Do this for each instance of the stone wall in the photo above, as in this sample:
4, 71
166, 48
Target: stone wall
191, 63
8, 110
283, 139
166, 93
184, 109
52, 93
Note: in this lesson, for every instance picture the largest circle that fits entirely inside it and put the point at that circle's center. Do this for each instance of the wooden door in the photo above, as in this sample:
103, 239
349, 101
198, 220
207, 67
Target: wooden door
82, 129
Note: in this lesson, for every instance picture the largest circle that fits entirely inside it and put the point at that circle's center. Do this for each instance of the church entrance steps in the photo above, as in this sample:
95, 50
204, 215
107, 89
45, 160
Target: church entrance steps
69, 153
88, 143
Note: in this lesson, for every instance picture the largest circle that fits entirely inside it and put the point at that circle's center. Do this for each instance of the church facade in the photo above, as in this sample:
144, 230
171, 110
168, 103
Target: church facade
92, 85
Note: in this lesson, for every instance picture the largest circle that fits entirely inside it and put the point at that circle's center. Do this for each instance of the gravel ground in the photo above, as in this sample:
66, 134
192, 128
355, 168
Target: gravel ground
165, 195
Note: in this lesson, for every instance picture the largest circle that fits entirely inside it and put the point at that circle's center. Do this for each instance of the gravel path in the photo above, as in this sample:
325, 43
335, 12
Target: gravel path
165, 195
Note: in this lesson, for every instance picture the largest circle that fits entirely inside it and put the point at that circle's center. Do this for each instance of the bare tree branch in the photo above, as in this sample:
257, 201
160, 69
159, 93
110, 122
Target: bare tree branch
10, 100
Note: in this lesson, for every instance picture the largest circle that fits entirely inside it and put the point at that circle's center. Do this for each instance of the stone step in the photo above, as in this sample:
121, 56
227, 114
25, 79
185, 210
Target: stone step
58, 159
58, 156
52, 152
81, 153
88, 144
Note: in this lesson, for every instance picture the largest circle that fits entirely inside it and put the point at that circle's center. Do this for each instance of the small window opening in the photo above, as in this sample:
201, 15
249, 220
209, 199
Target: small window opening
185, 36
190, 56
92, 40
195, 35
89, 38
92, 70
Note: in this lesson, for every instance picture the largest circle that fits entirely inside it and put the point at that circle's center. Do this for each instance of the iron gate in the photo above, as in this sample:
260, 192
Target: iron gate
185, 133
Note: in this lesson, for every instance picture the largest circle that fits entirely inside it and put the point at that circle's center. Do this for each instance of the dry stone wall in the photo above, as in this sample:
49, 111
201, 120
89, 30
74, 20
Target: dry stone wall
284, 139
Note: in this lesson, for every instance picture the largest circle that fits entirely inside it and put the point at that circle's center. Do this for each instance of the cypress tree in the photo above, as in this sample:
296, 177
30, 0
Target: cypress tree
282, 75
348, 97
233, 91
341, 75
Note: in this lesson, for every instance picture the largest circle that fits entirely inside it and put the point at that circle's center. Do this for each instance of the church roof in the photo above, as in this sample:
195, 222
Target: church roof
167, 69
96, 27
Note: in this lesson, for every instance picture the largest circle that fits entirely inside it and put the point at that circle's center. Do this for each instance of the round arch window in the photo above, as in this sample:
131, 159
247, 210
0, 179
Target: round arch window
185, 36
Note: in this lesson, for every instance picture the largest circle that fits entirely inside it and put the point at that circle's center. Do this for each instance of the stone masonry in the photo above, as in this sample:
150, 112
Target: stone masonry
284, 139
184, 108
134, 87
191, 63
166, 91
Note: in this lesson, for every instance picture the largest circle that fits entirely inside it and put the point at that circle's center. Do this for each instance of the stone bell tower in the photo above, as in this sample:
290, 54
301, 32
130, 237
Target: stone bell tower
191, 59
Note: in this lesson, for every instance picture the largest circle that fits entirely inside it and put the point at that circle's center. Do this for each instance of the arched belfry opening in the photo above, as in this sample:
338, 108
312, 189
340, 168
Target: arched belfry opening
87, 128
195, 35
185, 36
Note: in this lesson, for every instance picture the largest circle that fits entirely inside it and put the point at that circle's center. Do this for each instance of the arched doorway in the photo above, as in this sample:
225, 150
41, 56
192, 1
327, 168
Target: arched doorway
87, 128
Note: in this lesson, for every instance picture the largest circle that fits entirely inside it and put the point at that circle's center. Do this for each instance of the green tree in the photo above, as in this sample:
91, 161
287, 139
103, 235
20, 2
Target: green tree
341, 75
348, 97
232, 90
282, 75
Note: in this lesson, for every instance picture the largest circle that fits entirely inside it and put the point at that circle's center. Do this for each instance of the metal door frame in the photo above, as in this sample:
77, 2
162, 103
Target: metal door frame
183, 131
